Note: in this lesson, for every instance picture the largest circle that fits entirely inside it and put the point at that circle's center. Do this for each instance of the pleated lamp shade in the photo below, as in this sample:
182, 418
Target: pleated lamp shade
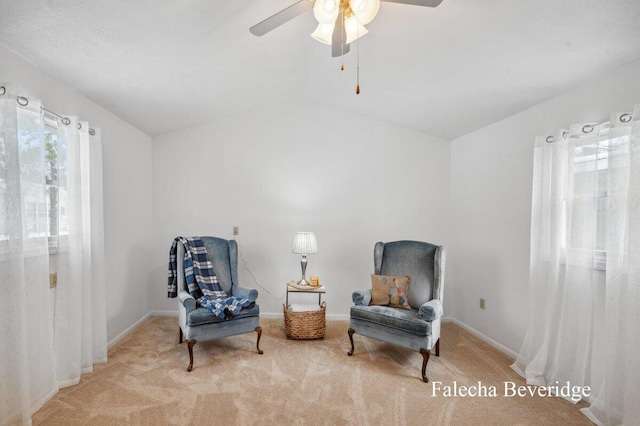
305, 243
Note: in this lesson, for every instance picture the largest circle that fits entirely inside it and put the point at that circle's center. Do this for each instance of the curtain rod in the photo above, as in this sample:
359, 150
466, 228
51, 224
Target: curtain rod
588, 128
65, 120
23, 101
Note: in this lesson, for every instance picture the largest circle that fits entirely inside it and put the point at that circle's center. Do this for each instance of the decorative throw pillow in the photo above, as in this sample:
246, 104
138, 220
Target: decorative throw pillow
390, 291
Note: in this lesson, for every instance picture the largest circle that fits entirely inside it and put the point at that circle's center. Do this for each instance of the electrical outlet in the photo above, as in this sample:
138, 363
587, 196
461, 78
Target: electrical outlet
235, 230
481, 303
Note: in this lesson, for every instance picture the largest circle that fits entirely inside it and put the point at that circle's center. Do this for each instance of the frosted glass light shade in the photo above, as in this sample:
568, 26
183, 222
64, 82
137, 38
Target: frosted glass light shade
364, 10
323, 33
305, 243
326, 11
354, 29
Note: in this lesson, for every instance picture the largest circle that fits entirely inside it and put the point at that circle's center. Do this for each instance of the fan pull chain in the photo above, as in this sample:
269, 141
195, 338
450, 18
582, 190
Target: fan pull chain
358, 63
342, 46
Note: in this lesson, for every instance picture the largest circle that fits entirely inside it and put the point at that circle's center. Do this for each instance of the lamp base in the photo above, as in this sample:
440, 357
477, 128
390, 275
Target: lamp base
303, 282
303, 264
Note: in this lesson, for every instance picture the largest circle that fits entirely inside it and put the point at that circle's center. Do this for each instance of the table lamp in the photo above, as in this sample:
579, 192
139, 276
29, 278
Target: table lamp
304, 243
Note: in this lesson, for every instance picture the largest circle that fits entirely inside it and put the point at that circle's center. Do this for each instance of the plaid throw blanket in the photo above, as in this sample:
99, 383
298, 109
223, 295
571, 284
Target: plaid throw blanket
201, 279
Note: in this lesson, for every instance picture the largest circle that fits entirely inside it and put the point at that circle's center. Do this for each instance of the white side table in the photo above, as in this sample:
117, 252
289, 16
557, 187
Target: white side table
313, 290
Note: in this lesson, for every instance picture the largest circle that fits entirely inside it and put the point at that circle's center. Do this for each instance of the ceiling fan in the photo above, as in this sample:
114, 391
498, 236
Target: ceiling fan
339, 21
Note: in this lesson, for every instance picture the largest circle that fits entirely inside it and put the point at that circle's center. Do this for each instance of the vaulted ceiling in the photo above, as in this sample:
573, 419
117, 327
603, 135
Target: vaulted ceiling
163, 65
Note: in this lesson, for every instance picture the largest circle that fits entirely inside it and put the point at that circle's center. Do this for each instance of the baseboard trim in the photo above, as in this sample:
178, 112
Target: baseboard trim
128, 330
338, 317
330, 317
280, 315
265, 315
499, 346
163, 313
137, 324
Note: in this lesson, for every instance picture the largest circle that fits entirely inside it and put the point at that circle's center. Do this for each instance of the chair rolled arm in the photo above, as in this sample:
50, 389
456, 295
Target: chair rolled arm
361, 297
430, 311
187, 300
246, 293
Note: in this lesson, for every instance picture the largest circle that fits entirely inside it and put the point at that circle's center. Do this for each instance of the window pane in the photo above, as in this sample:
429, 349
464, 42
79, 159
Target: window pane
31, 153
587, 227
601, 225
51, 167
582, 225
63, 216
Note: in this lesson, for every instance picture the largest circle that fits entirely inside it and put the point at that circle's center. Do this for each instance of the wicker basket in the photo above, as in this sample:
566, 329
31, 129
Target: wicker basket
305, 324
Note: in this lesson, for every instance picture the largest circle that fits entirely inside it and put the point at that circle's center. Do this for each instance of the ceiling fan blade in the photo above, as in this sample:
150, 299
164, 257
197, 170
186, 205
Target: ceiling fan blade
339, 46
425, 3
281, 17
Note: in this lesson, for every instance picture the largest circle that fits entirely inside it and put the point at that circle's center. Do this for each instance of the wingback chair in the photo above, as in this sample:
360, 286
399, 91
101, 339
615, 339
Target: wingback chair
198, 324
417, 328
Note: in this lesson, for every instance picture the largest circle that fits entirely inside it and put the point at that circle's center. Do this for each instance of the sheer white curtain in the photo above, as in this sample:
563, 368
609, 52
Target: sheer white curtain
48, 336
618, 401
27, 374
80, 317
563, 279
577, 223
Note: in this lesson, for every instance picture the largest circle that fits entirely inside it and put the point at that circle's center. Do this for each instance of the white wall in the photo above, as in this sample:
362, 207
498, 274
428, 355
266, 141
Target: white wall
299, 167
352, 180
491, 176
127, 190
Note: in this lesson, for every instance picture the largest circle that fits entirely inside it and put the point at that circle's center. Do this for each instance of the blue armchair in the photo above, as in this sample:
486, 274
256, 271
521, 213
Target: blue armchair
200, 324
417, 328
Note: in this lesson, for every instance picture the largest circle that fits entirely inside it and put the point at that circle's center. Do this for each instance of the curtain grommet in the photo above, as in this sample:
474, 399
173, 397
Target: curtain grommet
22, 101
549, 139
625, 118
3, 90
587, 128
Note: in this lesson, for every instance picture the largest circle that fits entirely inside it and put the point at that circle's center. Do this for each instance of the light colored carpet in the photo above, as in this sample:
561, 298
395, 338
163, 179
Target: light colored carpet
296, 382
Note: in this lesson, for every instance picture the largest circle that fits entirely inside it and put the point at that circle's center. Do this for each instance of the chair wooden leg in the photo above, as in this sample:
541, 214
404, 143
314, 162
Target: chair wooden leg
190, 344
351, 331
425, 358
259, 331
180, 336
438, 348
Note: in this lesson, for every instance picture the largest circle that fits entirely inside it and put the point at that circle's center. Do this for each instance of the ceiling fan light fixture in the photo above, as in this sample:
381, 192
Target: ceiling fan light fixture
350, 16
326, 11
354, 29
323, 33
364, 10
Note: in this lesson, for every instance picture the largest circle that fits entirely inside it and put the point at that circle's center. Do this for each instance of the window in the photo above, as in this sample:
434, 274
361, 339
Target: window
56, 185
587, 220
45, 207
21, 169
